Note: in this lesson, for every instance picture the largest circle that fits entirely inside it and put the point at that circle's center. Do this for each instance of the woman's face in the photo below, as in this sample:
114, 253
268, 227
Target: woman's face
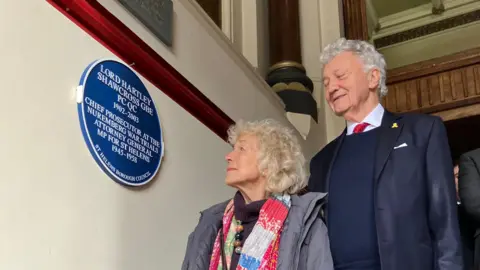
242, 162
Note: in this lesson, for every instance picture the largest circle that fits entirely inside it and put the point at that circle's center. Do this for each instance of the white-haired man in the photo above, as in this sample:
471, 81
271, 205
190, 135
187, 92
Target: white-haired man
391, 198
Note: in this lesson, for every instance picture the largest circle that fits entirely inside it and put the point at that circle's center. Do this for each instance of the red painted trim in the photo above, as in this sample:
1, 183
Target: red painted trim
103, 26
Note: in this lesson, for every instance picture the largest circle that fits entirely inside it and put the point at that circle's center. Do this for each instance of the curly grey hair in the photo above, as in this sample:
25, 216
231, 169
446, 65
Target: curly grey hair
280, 154
371, 58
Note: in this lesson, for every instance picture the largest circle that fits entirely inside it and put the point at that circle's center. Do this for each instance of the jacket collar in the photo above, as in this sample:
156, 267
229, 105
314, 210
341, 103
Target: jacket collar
389, 132
304, 204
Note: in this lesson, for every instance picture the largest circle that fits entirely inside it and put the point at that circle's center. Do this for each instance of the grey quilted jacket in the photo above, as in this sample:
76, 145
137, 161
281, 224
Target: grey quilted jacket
304, 242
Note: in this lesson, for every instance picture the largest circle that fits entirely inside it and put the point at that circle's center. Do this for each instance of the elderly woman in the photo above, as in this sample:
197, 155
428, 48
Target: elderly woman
266, 225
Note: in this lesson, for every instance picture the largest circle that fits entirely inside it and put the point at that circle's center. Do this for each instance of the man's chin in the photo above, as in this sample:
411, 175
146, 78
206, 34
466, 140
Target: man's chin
339, 112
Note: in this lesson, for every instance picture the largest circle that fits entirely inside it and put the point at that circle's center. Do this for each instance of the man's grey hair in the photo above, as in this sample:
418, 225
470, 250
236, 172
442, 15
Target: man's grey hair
371, 58
279, 154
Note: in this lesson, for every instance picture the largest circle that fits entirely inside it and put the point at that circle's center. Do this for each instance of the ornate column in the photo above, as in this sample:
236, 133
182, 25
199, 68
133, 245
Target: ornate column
355, 19
286, 75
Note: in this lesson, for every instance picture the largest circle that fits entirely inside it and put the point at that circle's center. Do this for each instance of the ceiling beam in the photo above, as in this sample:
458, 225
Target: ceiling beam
437, 7
372, 16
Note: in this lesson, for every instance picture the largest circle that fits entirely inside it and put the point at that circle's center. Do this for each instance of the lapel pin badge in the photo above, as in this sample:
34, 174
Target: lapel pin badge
394, 125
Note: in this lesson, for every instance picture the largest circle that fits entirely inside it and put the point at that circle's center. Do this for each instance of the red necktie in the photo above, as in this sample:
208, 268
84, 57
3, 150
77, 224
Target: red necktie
360, 127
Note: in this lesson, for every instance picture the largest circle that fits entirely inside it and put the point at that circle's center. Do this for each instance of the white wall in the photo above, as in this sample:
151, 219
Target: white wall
204, 55
58, 209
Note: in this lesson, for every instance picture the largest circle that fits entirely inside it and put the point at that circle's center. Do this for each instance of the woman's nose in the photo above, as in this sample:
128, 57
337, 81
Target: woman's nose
228, 157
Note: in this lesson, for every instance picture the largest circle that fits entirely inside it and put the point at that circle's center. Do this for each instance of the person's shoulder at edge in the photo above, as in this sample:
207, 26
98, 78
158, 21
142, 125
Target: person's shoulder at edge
474, 152
213, 212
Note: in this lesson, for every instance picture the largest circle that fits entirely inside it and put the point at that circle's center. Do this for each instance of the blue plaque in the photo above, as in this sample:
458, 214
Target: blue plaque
119, 122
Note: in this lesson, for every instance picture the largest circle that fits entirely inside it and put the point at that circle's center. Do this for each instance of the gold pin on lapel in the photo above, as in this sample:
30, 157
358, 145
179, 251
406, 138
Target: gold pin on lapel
394, 125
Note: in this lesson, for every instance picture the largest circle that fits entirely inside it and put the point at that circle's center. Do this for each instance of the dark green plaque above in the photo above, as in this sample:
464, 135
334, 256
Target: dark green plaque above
156, 15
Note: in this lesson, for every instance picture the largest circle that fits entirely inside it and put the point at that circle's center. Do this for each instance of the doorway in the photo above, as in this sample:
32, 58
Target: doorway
463, 135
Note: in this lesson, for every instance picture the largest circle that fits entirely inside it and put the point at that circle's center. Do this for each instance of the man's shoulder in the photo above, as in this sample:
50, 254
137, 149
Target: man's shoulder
419, 118
327, 150
420, 123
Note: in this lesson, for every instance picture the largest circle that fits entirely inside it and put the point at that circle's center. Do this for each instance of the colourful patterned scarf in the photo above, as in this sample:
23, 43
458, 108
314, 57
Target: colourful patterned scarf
260, 250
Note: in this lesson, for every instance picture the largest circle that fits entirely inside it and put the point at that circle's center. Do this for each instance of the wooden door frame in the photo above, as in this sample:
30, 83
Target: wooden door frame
355, 19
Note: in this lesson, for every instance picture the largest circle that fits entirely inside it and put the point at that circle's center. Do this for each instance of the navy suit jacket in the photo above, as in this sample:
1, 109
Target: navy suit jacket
415, 201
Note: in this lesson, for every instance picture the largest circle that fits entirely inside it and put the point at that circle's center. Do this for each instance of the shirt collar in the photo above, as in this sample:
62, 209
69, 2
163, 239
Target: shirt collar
374, 118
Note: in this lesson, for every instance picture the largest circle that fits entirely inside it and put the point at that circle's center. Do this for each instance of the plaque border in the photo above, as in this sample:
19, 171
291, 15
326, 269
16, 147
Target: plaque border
131, 49
88, 137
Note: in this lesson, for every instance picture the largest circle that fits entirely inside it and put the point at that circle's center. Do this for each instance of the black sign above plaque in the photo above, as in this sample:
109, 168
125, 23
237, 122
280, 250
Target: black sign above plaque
156, 15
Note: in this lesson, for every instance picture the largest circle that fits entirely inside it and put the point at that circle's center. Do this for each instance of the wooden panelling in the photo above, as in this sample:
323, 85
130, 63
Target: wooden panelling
457, 113
435, 85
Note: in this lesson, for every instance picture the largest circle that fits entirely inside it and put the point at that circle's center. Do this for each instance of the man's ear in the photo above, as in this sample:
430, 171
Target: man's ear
374, 78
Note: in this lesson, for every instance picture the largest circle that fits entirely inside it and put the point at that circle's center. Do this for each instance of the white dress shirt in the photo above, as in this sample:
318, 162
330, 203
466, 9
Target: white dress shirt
374, 118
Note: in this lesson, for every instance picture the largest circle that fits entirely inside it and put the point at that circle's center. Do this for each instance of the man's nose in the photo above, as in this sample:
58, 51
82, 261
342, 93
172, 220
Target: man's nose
332, 88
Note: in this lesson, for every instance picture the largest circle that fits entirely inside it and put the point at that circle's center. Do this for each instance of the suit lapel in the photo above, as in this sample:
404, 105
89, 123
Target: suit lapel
332, 161
326, 185
389, 132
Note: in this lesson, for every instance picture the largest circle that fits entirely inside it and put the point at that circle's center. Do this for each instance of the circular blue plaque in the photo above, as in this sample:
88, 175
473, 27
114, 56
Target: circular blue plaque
119, 122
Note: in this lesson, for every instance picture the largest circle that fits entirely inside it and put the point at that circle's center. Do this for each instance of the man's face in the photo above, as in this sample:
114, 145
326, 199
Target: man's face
347, 85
